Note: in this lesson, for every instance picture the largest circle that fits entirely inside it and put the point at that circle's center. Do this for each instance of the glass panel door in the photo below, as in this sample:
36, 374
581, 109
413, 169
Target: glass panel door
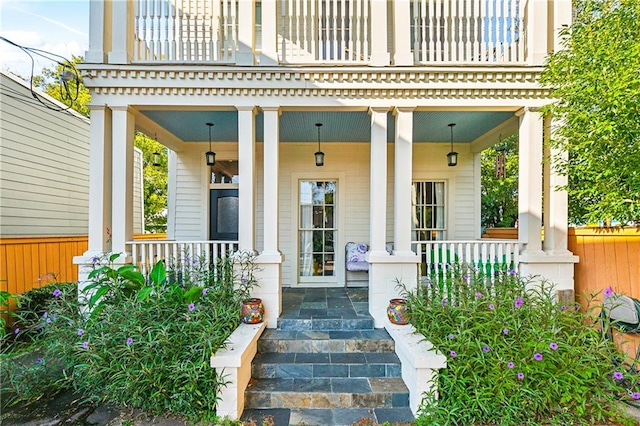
317, 230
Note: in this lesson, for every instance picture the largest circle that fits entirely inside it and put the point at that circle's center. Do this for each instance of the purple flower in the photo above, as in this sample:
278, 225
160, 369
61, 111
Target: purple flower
537, 356
94, 260
635, 395
617, 375
491, 307
510, 364
486, 348
505, 331
553, 346
85, 345
478, 295
191, 306
608, 291
129, 341
80, 332
204, 291
453, 354
48, 320
46, 314
466, 277
519, 302
57, 292
520, 376
451, 336
511, 272
444, 302
563, 308
16, 331
40, 360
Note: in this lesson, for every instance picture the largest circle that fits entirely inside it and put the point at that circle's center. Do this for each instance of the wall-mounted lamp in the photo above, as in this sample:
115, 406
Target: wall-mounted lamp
156, 156
319, 154
452, 156
210, 156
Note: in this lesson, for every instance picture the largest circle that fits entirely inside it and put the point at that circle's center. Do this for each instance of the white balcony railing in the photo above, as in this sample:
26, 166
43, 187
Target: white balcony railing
179, 255
488, 257
467, 31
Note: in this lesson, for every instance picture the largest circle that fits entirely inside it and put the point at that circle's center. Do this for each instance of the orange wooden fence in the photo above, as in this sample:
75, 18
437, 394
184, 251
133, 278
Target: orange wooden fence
32, 262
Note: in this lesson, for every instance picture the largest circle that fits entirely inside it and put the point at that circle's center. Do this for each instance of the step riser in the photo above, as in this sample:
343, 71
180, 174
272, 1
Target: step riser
323, 346
326, 324
270, 371
324, 400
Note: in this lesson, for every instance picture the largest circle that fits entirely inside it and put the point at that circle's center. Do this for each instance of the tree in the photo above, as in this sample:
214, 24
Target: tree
499, 194
596, 82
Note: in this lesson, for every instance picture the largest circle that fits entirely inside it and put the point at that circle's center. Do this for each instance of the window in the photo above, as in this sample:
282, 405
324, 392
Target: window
317, 228
428, 201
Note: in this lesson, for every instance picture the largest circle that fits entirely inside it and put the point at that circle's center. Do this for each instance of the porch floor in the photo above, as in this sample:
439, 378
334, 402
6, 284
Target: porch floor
325, 303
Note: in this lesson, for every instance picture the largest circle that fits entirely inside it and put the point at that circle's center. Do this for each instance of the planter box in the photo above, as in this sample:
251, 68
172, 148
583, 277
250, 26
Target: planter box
233, 363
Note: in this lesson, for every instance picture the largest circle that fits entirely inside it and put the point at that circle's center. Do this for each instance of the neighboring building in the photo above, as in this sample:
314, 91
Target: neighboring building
385, 78
44, 185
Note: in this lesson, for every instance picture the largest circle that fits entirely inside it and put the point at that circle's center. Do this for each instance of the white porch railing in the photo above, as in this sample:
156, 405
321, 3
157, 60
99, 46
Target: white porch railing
467, 31
179, 254
185, 30
489, 257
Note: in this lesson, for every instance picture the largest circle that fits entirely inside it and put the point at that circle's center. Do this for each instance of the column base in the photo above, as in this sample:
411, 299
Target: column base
558, 269
269, 276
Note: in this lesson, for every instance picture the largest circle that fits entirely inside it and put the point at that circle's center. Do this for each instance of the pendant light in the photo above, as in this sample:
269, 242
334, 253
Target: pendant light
452, 156
319, 154
210, 155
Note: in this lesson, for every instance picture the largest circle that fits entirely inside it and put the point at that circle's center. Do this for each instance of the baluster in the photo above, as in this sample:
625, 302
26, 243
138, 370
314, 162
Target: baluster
138, 41
513, 32
468, 51
357, 28
204, 49
492, 260
502, 45
460, 30
366, 30
438, 30
305, 25
159, 42
493, 33
475, 30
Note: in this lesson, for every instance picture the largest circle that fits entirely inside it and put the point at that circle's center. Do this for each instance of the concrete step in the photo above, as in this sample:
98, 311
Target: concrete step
326, 416
272, 365
327, 393
289, 341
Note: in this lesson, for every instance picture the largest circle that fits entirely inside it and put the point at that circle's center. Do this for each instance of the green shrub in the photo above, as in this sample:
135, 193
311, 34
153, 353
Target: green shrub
147, 342
514, 354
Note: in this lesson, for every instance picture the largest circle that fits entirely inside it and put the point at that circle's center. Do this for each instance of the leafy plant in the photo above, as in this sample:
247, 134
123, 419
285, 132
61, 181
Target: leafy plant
514, 354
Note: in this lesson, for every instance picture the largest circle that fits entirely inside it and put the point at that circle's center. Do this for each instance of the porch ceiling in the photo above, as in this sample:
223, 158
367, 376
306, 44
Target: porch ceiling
338, 126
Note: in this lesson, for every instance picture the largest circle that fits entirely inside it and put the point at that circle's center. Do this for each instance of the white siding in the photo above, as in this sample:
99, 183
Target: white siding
44, 176
138, 192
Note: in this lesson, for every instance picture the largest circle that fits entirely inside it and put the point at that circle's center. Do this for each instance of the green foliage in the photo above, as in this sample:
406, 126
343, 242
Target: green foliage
514, 355
155, 183
595, 79
5, 301
499, 195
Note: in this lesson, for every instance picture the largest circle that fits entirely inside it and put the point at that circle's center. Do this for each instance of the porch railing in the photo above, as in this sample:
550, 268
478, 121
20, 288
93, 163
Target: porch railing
488, 257
179, 255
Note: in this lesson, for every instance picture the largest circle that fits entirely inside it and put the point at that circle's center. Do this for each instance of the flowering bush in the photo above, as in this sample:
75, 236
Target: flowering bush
514, 354
147, 343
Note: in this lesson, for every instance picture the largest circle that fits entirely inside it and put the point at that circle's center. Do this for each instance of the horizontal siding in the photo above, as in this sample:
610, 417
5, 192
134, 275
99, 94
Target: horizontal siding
138, 192
190, 205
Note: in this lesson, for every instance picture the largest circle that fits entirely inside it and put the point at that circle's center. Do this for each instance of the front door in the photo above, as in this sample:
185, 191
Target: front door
317, 232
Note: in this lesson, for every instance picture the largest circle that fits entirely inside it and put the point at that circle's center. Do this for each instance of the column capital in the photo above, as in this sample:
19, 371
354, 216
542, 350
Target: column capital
399, 109
272, 108
251, 108
523, 110
378, 109
124, 108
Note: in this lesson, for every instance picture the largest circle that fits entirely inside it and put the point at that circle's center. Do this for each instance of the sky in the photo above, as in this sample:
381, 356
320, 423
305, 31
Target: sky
57, 26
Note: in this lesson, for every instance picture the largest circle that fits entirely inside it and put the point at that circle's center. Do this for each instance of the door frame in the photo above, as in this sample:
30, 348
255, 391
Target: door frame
338, 279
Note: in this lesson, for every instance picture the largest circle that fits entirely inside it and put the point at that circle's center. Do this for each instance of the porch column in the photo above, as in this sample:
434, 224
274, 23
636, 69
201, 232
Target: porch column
379, 51
530, 180
378, 182
402, 182
269, 54
121, 32
246, 171
270, 260
556, 201
97, 24
537, 17
99, 189
402, 33
246, 25
122, 179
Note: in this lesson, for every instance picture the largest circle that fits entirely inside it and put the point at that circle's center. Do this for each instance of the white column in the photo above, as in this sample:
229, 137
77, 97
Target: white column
562, 15
246, 170
99, 180
271, 169
530, 180
246, 26
269, 53
379, 50
402, 182
121, 32
556, 201
538, 22
97, 23
402, 33
378, 181
122, 178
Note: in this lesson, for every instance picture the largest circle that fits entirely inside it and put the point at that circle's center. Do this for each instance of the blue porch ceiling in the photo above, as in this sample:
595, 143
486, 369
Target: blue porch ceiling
348, 126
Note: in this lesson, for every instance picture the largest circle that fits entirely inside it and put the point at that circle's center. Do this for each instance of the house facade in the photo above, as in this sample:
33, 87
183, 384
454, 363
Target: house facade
396, 86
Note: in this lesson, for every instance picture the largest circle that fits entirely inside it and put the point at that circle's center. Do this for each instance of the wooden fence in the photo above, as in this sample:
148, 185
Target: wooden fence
27, 263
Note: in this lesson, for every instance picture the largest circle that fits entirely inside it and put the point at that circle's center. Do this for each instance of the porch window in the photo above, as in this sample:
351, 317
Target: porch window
428, 201
317, 228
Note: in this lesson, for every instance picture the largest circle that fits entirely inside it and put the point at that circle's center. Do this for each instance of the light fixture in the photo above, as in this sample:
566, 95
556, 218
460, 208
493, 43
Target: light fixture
210, 155
319, 154
452, 156
156, 155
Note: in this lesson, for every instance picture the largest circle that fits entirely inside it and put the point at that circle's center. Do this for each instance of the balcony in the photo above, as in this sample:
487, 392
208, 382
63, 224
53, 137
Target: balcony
320, 32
